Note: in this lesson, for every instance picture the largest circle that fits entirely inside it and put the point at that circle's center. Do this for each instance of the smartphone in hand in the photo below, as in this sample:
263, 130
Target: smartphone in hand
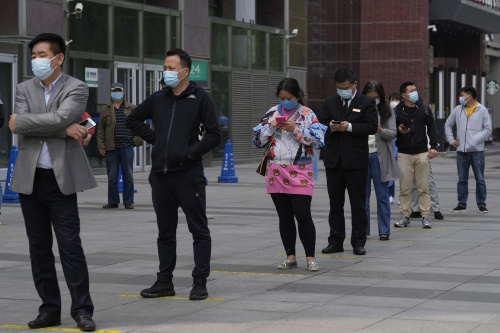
336, 122
280, 119
88, 123
404, 127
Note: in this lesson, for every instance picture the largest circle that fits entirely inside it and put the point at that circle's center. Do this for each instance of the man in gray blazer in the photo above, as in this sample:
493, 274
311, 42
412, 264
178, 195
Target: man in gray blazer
50, 168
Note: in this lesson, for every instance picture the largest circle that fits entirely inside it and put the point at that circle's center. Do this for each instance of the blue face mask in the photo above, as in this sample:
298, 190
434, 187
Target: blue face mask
41, 67
462, 100
170, 78
288, 105
413, 96
377, 102
117, 96
345, 94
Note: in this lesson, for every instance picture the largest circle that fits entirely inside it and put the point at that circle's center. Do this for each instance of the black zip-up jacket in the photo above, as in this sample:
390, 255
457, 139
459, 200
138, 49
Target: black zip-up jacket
415, 142
176, 121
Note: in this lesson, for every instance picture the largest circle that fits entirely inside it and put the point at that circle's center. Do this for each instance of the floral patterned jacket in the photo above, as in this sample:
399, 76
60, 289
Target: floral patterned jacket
290, 148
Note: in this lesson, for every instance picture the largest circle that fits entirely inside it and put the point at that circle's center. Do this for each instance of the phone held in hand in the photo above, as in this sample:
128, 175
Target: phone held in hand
280, 119
336, 122
88, 123
403, 127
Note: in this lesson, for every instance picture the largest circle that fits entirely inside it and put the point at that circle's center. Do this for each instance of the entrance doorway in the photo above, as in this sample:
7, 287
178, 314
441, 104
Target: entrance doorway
139, 81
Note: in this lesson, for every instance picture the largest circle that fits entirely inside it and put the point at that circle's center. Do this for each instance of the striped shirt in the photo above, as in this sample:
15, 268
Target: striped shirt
123, 136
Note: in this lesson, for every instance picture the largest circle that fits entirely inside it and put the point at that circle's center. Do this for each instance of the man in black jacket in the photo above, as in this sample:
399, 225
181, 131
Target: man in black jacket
350, 117
177, 177
415, 122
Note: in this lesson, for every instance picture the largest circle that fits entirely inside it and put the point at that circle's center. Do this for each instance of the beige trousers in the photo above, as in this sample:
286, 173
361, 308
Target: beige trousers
414, 167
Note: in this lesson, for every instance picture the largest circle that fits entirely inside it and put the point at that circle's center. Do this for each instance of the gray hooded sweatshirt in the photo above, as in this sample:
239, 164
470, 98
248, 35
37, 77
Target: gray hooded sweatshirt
472, 131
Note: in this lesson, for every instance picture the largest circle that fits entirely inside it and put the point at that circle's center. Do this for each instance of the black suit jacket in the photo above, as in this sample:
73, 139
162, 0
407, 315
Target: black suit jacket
351, 148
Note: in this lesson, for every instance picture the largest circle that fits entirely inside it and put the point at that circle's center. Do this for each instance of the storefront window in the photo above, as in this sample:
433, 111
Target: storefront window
240, 47
220, 42
275, 54
258, 50
220, 95
126, 27
90, 34
155, 36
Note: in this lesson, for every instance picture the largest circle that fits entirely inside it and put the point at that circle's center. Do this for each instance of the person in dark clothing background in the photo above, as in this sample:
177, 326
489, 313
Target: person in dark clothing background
2, 114
176, 176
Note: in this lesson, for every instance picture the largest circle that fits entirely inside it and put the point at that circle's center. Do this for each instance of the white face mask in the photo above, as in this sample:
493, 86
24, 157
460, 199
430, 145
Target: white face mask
41, 67
393, 104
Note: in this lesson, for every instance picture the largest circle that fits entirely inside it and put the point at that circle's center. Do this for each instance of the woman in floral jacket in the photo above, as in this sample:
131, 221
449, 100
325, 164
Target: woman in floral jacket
289, 174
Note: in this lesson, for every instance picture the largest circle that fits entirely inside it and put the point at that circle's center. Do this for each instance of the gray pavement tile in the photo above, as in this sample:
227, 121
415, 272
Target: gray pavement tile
486, 328
419, 293
392, 302
469, 262
437, 277
470, 296
391, 325
261, 305
336, 289
418, 284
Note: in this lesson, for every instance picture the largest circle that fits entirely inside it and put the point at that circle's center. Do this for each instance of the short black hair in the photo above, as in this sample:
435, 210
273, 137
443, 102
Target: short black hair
344, 74
395, 97
470, 90
402, 89
57, 44
185, 58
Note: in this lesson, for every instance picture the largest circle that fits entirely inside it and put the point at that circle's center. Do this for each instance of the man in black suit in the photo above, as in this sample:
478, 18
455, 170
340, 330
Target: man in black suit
350, 117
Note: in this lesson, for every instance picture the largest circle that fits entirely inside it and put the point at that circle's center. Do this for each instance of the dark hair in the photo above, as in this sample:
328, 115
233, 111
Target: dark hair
395, 96
470, 90
402, 89
57, 44
382, 108
185, 58
344, 74
291, 86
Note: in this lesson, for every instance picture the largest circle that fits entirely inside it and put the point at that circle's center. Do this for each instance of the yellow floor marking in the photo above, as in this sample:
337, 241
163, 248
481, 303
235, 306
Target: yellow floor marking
173, 297
319, 255
257, 273
390, 240
420, 229
58, 329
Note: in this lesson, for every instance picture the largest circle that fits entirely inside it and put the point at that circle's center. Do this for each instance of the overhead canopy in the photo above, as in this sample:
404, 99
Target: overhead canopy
475, 14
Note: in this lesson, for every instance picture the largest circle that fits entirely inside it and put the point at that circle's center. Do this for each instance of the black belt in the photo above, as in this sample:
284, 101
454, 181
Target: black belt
44, 173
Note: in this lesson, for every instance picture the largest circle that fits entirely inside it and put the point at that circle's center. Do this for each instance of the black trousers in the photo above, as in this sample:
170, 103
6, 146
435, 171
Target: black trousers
289, 207
185, 189
354, 180
48, 208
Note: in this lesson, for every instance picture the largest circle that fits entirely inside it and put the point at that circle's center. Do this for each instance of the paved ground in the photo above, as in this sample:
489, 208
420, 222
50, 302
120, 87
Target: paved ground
446, 279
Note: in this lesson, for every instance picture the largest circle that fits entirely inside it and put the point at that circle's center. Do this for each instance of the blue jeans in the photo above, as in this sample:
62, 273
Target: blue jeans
464, 161
124, 157
382, 195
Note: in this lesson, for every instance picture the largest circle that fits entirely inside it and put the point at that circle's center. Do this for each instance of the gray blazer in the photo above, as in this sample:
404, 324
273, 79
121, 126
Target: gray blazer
37, 123
389, 169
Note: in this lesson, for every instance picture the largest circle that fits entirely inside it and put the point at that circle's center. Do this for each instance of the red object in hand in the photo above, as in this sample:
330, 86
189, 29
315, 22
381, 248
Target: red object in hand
280, 119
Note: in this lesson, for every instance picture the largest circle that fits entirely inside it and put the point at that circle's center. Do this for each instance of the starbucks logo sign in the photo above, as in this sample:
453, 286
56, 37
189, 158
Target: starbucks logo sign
492, 87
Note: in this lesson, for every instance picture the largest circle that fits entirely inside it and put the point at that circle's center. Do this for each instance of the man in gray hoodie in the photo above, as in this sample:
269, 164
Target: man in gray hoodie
473, 128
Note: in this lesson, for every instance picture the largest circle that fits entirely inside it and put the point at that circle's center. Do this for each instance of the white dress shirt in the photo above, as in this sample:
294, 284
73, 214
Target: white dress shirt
44, 157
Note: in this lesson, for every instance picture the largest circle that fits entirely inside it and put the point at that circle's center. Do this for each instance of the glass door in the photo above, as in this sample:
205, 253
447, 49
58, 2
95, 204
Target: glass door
130, 75
8, 81
152, 78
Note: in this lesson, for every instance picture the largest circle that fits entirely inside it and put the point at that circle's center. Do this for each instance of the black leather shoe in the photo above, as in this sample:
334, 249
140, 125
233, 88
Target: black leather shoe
159, 289
332, 249
110, 206
129, 206
44, 320
85, 324
359, 251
